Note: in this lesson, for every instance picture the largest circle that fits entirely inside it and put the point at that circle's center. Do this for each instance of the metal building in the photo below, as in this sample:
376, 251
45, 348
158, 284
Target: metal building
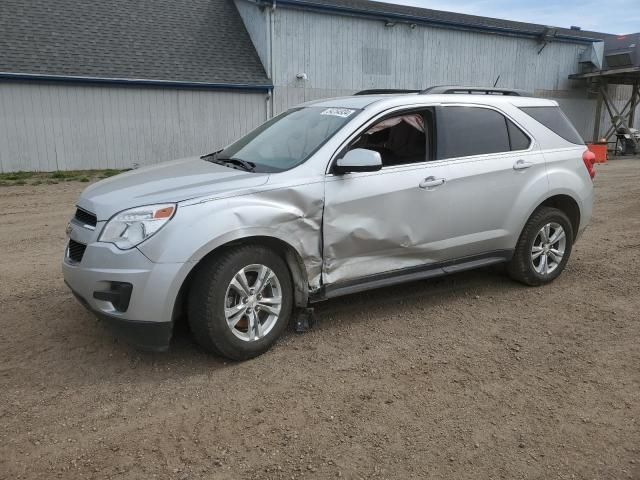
113, 84
318, 48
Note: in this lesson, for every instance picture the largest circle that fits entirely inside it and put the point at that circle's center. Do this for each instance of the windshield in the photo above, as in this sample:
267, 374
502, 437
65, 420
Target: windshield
288, 139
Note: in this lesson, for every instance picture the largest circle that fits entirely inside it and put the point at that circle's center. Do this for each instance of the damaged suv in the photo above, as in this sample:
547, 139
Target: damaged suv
329, 198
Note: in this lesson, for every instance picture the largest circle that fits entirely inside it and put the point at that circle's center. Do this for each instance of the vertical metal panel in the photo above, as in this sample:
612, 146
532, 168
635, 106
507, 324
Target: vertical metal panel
581, 111
255, 21
335, 53
68, 126
334, 47
620, 94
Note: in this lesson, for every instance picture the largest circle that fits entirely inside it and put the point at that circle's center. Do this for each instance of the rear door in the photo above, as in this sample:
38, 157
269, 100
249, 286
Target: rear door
493, 171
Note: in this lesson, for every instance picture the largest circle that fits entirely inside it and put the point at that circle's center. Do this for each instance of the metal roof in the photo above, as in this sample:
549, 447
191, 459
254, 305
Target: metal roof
439, 18
196, 43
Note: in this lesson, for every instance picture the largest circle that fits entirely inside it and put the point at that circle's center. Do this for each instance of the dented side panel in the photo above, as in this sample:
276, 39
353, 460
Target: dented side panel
376, 223
384, 221
290, 213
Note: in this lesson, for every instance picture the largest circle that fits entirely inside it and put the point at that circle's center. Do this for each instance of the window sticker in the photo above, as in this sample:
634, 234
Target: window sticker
337, 112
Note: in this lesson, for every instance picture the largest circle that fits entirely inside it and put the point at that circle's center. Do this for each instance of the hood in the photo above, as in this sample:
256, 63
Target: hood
164, 183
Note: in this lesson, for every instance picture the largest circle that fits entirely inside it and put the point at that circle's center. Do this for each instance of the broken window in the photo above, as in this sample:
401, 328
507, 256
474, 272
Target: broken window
400, 139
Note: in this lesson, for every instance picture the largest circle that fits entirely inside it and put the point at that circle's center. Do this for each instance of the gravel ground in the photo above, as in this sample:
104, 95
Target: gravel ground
469, 376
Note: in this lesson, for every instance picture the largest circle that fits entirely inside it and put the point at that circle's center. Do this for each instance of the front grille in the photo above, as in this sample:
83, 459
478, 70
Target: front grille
76, 250
86, 218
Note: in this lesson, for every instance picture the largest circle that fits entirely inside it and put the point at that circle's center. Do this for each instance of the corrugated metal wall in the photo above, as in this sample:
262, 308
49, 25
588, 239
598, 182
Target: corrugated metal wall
48, 127
343, 54
255, 20
339, 52
620, 94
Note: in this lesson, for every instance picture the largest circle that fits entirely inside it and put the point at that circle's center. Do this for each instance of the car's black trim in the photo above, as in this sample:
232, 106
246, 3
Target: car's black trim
119, 294
457, 89
149, 336
385, 91
410, 274
76, 250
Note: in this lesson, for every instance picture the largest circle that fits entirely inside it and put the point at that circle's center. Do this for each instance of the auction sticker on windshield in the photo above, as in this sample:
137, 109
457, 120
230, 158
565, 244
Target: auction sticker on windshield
338, 112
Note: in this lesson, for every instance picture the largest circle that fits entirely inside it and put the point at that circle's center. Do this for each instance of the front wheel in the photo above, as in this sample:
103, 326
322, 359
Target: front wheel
543, 248
240, 302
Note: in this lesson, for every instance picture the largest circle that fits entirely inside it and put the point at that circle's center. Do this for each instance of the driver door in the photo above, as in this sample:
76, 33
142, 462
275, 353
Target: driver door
392, 219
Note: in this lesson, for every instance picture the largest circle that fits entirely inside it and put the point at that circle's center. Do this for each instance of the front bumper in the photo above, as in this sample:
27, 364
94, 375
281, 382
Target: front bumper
149, 336
143, 313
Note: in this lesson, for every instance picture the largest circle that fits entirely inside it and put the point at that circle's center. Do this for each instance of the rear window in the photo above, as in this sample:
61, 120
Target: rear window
555, 120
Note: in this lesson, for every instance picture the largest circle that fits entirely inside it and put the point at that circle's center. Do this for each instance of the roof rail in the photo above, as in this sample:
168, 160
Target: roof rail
447, 89
385, 91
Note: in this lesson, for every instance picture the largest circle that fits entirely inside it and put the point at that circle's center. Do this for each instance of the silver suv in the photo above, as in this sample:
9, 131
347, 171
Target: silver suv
329, 198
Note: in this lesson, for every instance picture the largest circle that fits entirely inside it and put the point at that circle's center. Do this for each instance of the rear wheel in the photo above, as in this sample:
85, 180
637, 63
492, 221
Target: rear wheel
240, 302
543, 249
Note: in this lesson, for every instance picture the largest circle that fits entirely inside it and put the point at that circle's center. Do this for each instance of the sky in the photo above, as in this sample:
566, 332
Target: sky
609, 16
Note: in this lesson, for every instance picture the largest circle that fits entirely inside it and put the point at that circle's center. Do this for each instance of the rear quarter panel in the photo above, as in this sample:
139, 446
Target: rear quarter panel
568, 176
566, 172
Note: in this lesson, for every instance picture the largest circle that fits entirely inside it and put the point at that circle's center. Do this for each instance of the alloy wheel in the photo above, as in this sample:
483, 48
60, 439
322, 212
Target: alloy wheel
253, 302
548, 248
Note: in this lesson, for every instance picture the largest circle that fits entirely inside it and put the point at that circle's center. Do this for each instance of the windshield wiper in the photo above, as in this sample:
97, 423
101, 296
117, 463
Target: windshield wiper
212, 154
244, 164
236, 162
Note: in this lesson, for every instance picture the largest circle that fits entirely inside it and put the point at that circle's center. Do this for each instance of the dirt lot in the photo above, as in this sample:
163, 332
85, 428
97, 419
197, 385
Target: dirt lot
471, 376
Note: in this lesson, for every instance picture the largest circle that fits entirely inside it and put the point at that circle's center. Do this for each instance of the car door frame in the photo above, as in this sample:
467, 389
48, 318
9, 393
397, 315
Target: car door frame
429, 269
502, 245
533, 143
414, 166
378, 117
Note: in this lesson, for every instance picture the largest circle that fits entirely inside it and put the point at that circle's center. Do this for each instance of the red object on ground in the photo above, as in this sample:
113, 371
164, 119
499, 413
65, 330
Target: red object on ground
589, 158
600, 151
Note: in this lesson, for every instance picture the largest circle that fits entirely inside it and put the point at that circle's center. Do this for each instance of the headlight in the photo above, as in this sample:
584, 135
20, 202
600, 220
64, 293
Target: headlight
131, 227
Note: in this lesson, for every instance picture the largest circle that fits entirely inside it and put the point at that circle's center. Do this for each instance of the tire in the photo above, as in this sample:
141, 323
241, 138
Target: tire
535, 260
216, 300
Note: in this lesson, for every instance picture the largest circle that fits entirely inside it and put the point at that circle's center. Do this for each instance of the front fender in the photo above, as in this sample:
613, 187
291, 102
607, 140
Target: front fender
292, 215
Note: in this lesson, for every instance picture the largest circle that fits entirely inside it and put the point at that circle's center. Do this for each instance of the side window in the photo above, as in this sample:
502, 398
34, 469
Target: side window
555, 120
517, 138
466, 131
400, 139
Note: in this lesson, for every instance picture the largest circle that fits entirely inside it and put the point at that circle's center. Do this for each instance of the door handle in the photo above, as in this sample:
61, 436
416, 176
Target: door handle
522, 164
431, 182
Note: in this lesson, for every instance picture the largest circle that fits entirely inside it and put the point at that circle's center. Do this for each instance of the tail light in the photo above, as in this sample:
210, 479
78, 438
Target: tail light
589, 158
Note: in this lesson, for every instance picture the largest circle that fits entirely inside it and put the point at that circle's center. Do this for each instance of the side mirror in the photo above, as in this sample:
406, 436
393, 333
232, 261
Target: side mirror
359, 160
